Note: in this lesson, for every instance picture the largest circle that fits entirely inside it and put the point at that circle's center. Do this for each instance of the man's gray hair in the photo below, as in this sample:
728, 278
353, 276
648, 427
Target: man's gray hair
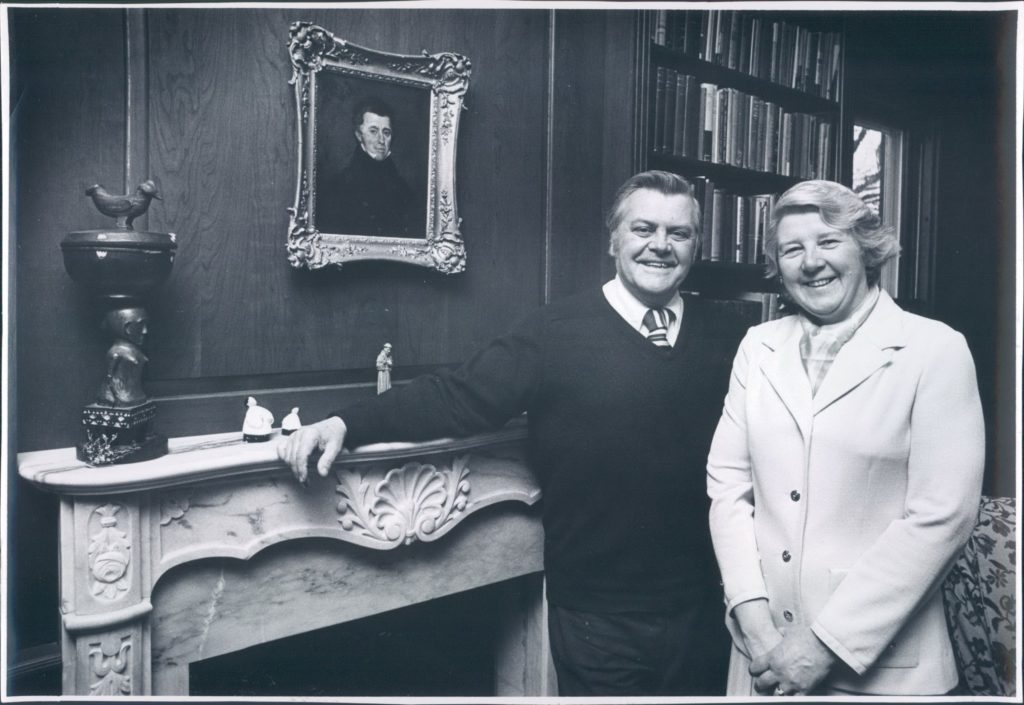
661, 181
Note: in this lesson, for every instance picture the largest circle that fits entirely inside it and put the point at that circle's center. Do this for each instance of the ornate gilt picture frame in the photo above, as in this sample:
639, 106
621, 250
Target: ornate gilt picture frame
390, 200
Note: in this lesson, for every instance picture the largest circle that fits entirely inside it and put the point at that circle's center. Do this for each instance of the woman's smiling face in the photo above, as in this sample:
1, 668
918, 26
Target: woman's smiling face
821, 268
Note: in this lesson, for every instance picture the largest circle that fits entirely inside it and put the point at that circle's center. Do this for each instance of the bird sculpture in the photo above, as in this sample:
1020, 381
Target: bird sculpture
125, 208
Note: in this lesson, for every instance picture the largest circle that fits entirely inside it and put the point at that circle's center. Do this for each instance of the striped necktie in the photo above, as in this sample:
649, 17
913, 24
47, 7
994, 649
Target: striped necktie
656, 322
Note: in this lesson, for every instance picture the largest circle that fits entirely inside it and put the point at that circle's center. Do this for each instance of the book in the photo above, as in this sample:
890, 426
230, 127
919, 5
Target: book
708, 120
726, 232
786, 145
711, 34
732, 52
753, 127
732, 126
708, 211
740, 229
677, 143
691, 32
669, 108
769, 307
721, 127
658, 112
774, 138
715, 237
660, 27
692, 121
762, 213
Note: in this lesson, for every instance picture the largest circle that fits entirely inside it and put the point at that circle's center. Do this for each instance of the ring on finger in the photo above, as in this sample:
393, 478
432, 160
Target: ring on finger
779, 690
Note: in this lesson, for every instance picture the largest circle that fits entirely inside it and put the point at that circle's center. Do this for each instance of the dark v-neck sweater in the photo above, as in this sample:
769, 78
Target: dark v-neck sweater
619, 431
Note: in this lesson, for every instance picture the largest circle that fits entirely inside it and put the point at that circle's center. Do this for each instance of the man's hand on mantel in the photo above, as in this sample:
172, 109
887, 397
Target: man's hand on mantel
327, 436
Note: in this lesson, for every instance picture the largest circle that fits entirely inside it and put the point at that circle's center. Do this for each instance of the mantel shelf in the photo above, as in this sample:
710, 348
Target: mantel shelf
218, 456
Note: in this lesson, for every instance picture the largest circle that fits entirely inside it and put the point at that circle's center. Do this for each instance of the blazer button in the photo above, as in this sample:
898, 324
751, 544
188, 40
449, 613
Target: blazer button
786, 556
795, 496
788, 616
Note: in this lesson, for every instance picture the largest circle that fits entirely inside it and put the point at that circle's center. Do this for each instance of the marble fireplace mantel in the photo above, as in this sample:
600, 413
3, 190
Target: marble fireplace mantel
162, 563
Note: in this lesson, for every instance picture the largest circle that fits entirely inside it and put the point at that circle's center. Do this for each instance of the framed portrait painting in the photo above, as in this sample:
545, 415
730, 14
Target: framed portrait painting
377, 137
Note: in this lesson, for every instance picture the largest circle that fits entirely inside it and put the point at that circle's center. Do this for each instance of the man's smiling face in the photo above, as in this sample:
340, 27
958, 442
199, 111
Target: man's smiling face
655, 244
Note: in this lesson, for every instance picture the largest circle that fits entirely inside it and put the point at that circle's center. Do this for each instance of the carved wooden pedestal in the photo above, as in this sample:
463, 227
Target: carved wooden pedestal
163, 562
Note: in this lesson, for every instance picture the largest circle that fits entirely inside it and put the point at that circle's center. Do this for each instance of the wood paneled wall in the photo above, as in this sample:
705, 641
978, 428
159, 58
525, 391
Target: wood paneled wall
222, 147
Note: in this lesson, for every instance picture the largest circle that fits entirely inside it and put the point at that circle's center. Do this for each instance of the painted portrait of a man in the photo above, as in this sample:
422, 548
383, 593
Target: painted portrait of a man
372, 167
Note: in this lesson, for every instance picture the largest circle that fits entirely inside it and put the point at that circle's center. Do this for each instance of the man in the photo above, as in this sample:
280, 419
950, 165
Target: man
621, 404
368, 196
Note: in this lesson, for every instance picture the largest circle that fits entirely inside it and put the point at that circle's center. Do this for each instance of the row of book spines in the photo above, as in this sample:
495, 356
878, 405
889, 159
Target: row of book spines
773, 50
734, 226
727, 126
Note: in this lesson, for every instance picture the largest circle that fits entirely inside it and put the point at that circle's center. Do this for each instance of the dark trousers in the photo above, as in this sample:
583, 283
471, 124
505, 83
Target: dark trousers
680, 652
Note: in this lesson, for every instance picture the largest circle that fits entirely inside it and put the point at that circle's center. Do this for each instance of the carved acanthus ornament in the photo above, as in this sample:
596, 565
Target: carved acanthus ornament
414, 502
109, 554
111, 668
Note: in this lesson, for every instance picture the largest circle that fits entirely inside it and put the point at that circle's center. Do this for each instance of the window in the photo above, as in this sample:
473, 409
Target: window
878, 179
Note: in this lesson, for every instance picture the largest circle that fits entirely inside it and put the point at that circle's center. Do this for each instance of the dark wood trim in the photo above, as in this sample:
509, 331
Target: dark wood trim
791, 99
549, 158
34, 659
208, 411
136, 146
738, 179
238, 384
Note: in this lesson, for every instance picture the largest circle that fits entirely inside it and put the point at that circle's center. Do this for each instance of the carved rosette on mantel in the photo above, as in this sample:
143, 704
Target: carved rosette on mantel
110, 580
119, 266
104, 597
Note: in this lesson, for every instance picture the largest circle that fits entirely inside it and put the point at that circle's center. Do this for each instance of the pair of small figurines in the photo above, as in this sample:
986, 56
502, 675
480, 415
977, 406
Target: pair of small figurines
258, 424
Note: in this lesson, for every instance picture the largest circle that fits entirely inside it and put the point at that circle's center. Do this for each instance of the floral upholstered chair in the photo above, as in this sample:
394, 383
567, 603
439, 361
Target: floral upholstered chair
981, 607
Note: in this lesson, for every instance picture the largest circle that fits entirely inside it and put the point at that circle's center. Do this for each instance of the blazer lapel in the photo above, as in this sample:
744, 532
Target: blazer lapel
870, 349
784, 370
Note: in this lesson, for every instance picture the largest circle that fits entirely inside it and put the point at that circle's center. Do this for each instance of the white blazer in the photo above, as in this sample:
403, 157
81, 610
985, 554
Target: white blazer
845, 510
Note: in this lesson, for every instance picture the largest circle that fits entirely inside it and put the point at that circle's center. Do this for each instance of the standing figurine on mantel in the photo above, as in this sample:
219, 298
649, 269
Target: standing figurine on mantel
258, 424
384, 364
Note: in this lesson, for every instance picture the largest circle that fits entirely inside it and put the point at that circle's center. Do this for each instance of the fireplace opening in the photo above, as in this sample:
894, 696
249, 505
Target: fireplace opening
442, 647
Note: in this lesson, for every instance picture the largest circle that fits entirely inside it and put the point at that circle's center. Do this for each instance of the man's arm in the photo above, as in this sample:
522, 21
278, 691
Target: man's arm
493, 386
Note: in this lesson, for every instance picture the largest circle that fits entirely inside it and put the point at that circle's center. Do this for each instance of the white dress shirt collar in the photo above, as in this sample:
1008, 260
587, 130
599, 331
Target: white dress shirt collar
632, 309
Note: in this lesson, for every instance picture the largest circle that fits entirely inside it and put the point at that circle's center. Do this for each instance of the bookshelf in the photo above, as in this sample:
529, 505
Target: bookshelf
744, 104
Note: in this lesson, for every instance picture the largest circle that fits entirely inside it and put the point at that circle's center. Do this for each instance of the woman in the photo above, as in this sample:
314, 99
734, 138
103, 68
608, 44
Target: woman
846, 469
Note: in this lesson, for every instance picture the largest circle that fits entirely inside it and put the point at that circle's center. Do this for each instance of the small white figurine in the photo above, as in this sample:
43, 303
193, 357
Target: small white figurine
384, 364
290, 423
258, 423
